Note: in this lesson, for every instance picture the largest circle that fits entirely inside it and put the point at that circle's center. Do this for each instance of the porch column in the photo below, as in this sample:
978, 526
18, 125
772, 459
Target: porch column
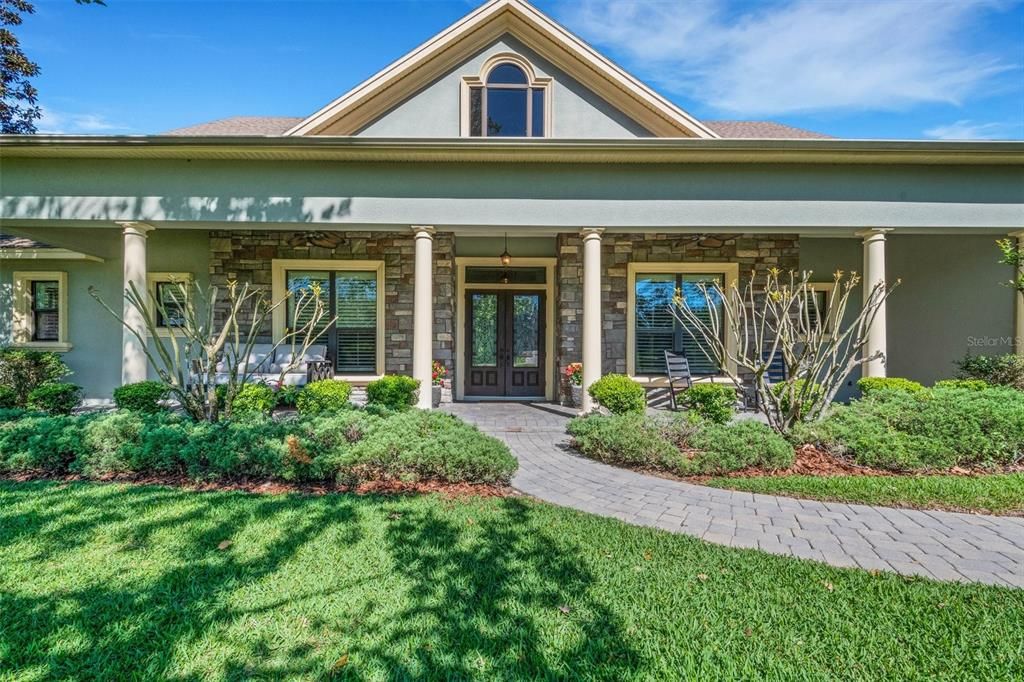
133, 356
874, 272
423, 312
1018, 327
591, 312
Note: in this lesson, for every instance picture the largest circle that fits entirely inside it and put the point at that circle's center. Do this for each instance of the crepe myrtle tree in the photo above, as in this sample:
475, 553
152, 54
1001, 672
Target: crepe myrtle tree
186, 359
781, 319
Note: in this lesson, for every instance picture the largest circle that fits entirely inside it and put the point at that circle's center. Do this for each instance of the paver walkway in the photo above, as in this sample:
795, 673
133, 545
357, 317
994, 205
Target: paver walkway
942, 545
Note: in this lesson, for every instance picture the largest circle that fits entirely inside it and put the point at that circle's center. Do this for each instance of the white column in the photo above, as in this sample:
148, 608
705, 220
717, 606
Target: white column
133, 356
423, 313
591, 312
1018, 325
874, 272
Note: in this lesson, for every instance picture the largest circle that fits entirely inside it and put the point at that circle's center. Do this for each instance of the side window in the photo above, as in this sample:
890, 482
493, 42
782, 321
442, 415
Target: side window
169, 292
40, 314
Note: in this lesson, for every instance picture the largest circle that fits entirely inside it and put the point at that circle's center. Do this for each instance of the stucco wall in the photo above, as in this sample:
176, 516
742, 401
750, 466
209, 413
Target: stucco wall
95, 357
246, 256
708, 197
950, 302
434, 111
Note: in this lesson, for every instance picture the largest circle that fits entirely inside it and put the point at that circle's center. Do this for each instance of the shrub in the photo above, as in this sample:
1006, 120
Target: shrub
714, 402
1003, 370
288, 396
22, 371
619, 394
55, 398
8, 398
142, 396
933, 428
324, 397
720, 448
805, 393
231, 449
427, 445
110, 439
966, 384
393, 392
871, 384
252, 400
631, 439
40, 443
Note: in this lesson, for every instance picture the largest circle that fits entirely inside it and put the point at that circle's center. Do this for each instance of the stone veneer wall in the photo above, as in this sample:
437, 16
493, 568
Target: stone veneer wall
246, 255
754, 252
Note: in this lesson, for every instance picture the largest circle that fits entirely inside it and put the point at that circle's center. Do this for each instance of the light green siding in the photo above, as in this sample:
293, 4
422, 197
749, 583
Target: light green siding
434, 111
95, 336
951, 300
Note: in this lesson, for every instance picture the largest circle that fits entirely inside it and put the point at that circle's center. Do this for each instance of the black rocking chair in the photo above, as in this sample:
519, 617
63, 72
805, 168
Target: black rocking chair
679, 377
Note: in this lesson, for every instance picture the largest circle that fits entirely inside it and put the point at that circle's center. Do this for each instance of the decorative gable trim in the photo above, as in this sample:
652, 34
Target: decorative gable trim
368, 101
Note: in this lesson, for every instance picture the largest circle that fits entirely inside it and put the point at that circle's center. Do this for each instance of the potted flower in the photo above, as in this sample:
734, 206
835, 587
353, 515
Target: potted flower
574, 377
437, 375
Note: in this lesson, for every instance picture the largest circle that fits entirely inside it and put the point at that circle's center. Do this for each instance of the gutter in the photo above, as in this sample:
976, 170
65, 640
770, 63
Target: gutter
472, 150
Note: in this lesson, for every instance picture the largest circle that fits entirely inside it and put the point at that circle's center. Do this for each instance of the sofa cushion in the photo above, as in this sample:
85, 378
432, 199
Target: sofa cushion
315, 352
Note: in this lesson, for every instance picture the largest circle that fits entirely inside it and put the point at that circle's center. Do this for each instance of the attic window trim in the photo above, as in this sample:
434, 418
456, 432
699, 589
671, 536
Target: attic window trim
533, 82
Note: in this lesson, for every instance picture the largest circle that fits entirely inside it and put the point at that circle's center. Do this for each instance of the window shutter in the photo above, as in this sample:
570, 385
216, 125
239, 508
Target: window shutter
692, 343
655, 324
356, 306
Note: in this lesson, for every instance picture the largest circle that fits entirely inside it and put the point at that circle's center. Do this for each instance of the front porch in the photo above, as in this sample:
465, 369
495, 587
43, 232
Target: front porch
508, 328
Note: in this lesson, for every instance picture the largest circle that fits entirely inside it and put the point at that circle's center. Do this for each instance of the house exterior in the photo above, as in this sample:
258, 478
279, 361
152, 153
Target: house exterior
503, 134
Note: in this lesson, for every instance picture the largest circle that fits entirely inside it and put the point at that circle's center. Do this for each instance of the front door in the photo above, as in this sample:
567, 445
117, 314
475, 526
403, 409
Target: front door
505, 343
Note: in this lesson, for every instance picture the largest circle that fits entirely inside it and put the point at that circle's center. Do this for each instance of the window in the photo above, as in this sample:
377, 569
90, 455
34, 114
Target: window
168, 292
350, 328
508, 101
654, 329
822, 301
41, 310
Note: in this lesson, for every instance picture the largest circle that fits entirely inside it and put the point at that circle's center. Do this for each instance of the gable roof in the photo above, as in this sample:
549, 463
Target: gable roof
278, 125
367, 101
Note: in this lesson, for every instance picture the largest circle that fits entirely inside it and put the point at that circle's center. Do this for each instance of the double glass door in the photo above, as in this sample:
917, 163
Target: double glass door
505, 343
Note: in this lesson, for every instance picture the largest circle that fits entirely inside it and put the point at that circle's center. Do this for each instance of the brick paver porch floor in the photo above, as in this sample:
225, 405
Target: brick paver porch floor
941, 545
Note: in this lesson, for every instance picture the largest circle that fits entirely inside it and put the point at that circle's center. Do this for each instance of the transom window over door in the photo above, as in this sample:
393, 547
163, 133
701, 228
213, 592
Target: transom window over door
351, 297
507, 102
657, 330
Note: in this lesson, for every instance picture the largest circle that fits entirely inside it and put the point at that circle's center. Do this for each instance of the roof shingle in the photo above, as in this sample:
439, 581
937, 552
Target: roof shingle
277, 125
9, 241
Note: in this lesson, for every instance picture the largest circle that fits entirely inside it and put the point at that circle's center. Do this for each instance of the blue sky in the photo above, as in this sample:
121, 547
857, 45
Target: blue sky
899, 69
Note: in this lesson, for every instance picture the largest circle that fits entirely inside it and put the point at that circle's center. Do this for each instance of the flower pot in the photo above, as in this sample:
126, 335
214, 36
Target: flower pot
576, 393
435, 395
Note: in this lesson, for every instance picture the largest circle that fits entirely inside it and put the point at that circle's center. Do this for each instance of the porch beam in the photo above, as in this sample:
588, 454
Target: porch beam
133, 355
591, 312
423, 313
874, 272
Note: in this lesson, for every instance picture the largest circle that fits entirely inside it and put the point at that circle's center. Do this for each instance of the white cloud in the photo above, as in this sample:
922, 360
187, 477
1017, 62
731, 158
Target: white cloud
55, 122
969, 130
796, 55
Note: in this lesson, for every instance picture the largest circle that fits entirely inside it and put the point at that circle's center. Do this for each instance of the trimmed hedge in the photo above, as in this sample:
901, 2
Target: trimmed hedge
55, 398
323, 397
868, 385
142, 396
934, 428
392, 392
351, 447
682, 445
253, 400
619, 394
714, 402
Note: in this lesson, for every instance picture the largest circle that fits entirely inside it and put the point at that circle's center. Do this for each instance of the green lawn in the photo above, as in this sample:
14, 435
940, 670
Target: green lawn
996, 493
117, 582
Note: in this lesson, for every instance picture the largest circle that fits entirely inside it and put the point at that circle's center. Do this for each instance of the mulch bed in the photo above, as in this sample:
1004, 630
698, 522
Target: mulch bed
263, 486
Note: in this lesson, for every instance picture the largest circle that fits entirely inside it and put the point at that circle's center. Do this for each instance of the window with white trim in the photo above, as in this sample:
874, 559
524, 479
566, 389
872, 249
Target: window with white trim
657, 329
506, 100
168, 293
40, 315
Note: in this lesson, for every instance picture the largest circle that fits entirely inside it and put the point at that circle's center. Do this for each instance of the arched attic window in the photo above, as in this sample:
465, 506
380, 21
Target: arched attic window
507, 102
